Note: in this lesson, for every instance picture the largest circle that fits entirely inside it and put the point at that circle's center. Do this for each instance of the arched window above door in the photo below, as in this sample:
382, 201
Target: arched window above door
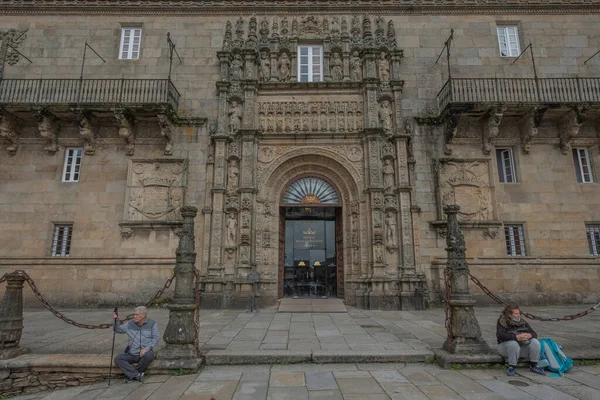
310, 190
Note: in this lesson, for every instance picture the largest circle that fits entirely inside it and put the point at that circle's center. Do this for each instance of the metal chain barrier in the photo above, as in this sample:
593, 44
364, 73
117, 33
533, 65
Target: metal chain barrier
529, 315
447, 308
59, 315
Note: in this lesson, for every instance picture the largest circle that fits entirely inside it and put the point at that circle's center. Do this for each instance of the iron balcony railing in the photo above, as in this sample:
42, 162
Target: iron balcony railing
519, 91
97, 92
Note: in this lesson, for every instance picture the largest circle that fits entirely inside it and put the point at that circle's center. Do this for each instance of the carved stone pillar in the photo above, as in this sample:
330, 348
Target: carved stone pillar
222, 118
180, 332
274, 59
465, 334
224, 59
250, 67
11, 317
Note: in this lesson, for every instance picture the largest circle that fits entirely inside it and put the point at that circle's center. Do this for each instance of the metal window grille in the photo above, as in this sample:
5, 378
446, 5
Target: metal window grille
583, 166
310, 64
593, 236
506, 165
61, 240
131, 39
508, 40
72, 167
515, 241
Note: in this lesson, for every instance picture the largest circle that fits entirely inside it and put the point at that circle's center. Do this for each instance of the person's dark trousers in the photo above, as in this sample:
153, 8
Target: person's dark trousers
124, 361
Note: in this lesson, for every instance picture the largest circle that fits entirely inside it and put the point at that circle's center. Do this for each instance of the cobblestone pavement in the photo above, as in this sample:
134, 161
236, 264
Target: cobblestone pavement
269, 330
343, 381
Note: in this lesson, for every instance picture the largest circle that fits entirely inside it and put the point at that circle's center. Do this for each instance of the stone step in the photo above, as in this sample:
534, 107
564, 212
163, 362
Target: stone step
225, 357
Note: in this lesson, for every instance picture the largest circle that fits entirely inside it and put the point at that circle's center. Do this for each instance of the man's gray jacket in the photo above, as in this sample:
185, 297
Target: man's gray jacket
143, 336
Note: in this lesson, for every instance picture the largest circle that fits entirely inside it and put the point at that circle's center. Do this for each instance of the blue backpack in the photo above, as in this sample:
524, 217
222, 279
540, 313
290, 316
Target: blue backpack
553, 358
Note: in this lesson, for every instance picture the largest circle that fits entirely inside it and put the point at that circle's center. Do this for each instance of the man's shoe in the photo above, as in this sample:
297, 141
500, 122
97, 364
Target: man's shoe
128, 380
537, 370
510, 371
140, 377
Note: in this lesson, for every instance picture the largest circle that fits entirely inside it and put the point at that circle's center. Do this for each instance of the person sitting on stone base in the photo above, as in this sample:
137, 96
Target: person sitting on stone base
517, 339
143, 338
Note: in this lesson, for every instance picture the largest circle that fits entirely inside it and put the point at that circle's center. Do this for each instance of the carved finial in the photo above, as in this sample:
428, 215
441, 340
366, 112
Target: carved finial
325, 26
275, 32
295, 30
228, 36
344, 27
367, 34
264, 28
239, 29
391, 35
284, 27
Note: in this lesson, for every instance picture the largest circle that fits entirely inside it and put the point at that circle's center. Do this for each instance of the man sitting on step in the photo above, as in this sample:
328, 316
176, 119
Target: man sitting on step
143, 338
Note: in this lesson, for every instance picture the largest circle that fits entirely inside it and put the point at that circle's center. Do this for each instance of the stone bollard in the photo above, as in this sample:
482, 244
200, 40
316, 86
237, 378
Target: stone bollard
180, 333
465, 332
11, 317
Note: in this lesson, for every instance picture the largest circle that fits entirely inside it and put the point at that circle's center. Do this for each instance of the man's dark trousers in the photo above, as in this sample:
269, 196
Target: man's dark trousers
124, 361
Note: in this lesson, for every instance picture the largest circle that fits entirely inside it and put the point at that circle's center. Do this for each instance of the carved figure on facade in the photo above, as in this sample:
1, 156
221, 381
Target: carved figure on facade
156, 189
385, 117
491, 127
570, 127
88, 131
239, 33
264, 29
235, 117
529, 126
383, 67
227, 38
126, 130
336, 65
391, 239
388, 175
283, 67
233, 173
355, 67
466, 183
49, 127
231, 236
166, 130
378, 249
265, 67
237, 68
450, 130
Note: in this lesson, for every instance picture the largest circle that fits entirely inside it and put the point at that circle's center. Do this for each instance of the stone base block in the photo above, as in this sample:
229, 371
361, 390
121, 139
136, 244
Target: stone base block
446, 359
163, 366
178, 351
12, 352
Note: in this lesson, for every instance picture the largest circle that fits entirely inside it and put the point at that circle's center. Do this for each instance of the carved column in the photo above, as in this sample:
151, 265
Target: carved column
181, 330
11, 317
465, 334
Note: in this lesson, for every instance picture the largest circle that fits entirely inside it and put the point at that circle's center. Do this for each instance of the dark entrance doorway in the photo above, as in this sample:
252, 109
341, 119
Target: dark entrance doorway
310, 264
310, 240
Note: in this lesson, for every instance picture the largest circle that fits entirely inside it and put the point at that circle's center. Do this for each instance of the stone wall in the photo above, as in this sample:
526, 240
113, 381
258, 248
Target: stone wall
547, 200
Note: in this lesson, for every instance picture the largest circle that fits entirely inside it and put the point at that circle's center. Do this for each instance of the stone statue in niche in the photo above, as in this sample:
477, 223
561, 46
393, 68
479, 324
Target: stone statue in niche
336, 67
237, 68
390, 230
378, 254
388, 175
384, 67
385, 117
265, 67
283, 68
355, 67
233, 174
235, 117
230, 240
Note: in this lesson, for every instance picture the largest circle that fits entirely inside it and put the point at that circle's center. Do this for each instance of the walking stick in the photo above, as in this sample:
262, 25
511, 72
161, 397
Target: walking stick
112, 350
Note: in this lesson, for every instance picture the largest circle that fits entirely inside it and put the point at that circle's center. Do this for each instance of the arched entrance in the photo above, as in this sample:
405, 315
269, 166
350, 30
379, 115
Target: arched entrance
310, 239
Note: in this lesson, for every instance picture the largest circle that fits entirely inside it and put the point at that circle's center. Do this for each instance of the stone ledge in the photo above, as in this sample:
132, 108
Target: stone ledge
368, 356
225, 357
446, 359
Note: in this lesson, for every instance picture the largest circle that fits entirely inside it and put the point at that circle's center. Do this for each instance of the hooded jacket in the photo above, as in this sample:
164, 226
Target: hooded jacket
508, 329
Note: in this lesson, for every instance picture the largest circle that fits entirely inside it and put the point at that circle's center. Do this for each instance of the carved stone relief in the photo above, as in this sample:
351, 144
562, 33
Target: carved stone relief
570, 127
126, 130
166, 130
49, 128
466, 183
9, 131
235, 117
156, 190
88, 131
491, 126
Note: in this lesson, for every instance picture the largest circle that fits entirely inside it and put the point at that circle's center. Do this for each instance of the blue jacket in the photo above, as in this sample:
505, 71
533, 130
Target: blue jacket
143, 336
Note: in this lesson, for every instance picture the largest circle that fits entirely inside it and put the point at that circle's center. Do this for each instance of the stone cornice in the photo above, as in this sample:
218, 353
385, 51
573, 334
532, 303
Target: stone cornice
186, 7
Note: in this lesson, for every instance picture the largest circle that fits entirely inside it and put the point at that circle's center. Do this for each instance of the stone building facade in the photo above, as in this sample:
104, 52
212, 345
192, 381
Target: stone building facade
278, 119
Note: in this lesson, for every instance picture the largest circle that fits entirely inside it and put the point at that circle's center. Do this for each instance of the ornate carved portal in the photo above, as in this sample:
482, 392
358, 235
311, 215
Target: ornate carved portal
275, 124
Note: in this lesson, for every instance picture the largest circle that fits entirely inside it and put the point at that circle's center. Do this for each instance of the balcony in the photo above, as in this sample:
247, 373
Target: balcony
52, 105
473, 91
485, 103
111, 93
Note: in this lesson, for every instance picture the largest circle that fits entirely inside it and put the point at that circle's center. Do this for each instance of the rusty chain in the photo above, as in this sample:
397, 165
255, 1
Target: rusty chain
61, 316
529, 315
447, 308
